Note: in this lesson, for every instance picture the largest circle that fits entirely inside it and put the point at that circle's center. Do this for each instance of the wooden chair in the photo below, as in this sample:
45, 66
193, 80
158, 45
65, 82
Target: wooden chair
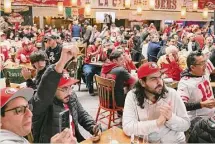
107, 103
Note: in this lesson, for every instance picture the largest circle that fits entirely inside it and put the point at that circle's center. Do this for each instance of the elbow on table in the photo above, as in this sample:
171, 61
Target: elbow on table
128, 129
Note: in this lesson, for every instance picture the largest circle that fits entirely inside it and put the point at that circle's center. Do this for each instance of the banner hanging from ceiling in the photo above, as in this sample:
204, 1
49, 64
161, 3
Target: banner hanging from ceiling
44, 2
207, 3
20, 15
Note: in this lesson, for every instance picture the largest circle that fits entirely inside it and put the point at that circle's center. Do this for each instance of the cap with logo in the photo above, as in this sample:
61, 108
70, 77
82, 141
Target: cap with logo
66, 80
8, 94
147, 69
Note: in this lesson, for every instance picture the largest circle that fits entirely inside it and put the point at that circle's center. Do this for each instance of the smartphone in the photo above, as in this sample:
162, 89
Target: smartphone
64, 121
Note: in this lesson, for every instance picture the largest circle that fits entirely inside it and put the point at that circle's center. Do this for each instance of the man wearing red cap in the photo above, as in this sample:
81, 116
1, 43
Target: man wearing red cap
16, 118
54, 95
23, 54
154, 110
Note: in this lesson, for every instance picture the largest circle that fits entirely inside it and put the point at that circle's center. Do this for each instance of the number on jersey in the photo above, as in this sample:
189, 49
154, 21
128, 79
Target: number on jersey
205, 89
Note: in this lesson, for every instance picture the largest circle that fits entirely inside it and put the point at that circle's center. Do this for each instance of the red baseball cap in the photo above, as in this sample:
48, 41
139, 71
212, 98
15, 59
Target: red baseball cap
8, 94
66, 80
147, 69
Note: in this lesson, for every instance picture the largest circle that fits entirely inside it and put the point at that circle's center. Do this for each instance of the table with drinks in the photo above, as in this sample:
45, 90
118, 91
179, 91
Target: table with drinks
113, 135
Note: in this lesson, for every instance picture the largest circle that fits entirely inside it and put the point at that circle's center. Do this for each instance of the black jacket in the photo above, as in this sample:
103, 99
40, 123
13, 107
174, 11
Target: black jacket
46, 109
34, 83
203, 132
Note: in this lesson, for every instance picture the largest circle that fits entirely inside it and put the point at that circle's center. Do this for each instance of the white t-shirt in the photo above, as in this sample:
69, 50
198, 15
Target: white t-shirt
197, 89
144, 50
190, 47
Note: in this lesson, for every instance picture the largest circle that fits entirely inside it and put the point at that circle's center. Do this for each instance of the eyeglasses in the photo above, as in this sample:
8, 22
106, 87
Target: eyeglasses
19, 110
65, 89
201, 64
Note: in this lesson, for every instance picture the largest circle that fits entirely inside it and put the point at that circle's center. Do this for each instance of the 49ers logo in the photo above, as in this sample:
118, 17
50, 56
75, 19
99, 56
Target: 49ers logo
10, 91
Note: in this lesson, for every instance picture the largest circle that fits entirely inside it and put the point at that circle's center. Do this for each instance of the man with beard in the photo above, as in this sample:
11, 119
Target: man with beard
153, 109
54, 95
39, 61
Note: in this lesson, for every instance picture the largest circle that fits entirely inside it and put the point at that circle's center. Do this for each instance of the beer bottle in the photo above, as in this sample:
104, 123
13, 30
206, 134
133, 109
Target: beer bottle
7, 80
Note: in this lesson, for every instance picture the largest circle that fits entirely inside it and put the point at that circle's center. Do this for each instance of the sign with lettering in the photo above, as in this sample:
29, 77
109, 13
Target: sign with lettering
15, 75
172, 5
207, 3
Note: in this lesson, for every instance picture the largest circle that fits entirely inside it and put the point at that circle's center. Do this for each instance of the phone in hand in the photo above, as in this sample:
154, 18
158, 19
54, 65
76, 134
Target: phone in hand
64, 121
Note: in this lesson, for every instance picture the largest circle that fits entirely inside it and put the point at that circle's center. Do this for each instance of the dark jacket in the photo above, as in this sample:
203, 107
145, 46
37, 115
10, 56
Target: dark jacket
34, 83
203, 132
153, 50
46, 109
212, 59
87, 35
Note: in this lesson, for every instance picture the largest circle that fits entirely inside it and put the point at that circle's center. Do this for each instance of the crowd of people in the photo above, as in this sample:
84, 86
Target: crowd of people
139, 59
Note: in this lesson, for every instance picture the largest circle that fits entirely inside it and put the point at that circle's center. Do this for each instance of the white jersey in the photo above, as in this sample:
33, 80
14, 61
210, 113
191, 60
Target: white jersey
114, 33
197, 89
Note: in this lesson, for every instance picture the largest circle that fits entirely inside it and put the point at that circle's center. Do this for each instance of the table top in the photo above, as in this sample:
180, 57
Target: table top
98, 63
106, 135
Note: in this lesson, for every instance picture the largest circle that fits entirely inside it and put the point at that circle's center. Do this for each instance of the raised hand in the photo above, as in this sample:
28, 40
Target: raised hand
26, 73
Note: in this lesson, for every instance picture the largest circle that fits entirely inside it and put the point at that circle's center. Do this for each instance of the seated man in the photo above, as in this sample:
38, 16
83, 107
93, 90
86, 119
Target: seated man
195, 88
171, 62
115, 70
16, 118
94, 53
23, 54
39, 61
154, 109
54, 95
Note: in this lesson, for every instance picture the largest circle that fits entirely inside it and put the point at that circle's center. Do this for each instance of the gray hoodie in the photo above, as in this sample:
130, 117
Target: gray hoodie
8, 137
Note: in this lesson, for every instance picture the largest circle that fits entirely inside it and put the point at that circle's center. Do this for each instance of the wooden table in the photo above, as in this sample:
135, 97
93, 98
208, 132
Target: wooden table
118, 135
99, 63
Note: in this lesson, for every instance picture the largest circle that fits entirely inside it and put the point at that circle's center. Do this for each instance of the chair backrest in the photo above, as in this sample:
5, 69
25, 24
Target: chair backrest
105, 88
71, 67
15, 75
